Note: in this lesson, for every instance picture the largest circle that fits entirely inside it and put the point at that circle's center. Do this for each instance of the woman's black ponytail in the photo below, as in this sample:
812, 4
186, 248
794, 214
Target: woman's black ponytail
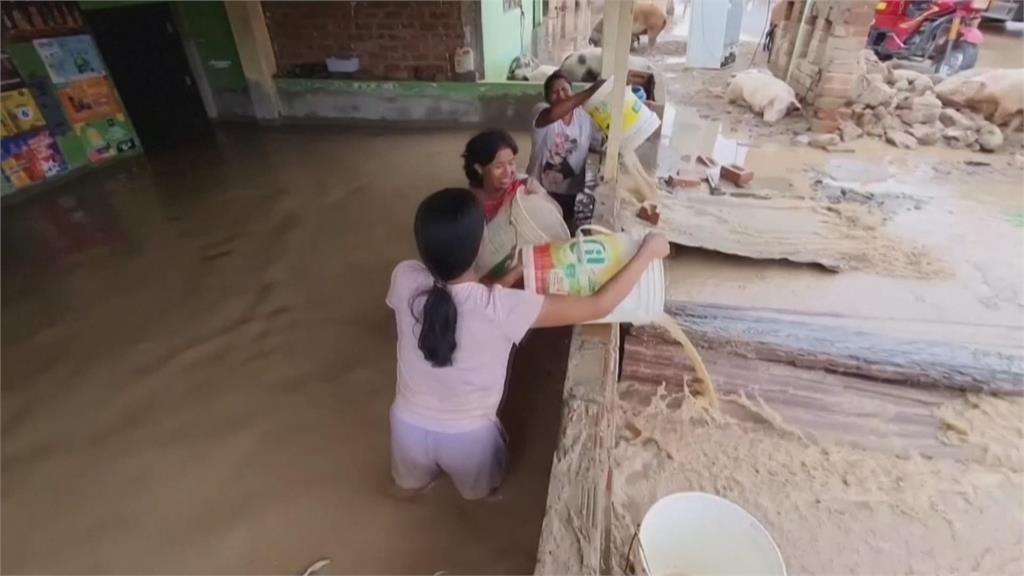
437, 333
449, 227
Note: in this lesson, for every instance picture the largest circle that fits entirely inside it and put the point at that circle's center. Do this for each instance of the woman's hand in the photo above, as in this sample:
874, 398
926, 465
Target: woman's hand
655, 246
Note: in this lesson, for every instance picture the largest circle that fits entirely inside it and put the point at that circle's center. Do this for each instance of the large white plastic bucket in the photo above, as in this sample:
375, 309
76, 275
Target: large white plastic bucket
638, 121
698, 533
524, 220
582, 265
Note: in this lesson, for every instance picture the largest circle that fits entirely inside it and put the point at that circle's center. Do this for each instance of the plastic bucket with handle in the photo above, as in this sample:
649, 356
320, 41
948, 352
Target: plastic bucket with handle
699, 533
638, 121
579, 267
525, 219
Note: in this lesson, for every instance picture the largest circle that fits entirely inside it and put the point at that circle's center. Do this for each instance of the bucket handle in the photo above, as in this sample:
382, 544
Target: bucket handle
577, 241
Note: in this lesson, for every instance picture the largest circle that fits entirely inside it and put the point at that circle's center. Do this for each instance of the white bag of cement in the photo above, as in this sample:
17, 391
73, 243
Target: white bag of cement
998, 94
763, 93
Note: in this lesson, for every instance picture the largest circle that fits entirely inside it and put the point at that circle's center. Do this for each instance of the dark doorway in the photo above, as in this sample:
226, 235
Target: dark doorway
144, 54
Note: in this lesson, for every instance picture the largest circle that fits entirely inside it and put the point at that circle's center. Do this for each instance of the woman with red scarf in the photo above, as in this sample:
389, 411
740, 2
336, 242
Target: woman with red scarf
490, 165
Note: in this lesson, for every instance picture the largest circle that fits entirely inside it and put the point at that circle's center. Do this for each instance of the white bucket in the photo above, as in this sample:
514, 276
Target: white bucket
526, 219
638, 121
698, 533
582, 265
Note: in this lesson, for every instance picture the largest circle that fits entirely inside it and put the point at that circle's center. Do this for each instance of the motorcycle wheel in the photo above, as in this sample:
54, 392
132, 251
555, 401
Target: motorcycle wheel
963, 56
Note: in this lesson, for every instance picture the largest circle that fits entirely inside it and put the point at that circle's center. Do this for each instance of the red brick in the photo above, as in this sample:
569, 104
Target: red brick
820, 126
407, 34
829, 102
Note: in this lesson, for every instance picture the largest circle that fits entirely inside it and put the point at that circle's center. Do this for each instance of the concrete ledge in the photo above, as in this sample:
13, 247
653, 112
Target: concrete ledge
428, 104
575, 533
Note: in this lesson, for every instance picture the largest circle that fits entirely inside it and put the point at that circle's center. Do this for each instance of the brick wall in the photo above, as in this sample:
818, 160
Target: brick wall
394, 40
826, 59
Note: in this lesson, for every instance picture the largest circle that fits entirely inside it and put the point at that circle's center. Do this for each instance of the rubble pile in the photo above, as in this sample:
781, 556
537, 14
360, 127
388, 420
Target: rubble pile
908, 109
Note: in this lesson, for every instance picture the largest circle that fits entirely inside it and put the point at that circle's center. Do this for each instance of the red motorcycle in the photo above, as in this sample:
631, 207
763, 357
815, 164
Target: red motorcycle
944, 32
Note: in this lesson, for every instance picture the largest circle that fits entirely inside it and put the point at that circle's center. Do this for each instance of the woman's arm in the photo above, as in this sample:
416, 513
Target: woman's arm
510, 278
569, 310
560, 110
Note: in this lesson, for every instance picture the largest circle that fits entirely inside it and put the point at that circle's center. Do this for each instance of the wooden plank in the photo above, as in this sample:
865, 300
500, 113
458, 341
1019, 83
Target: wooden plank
762, 224
820, 405
808, 341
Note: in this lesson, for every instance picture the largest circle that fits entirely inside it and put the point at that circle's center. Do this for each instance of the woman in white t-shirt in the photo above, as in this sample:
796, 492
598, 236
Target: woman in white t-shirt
562, 136
454, 340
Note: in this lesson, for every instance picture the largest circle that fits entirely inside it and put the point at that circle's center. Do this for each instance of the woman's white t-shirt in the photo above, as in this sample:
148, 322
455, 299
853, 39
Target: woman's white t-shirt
466, 394
559, 155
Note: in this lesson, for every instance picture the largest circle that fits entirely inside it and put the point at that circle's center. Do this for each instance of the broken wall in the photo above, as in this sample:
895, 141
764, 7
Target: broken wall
822, 68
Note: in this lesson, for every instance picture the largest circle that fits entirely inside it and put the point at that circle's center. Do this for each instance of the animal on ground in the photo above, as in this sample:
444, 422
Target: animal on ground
649, 18
763, 93
998, 94
585, 65
529, 70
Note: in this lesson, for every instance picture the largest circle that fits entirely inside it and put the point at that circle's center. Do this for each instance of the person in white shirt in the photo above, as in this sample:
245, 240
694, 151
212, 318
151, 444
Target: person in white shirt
562, 137
454, 340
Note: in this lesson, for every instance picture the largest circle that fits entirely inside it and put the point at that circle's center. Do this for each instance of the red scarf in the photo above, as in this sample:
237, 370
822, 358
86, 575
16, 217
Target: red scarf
491, 207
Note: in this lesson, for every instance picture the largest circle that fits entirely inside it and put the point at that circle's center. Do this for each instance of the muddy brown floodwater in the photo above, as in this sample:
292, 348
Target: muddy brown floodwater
205, 389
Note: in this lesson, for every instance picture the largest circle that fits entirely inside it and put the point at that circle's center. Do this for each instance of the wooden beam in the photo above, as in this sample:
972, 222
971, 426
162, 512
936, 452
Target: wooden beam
256, 53
811, 341
619, 52
818, 405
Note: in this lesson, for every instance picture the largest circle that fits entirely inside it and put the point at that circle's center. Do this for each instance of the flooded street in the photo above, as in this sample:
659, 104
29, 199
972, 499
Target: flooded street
198, 364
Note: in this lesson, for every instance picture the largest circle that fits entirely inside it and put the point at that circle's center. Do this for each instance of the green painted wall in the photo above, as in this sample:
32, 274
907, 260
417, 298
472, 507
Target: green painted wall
206, 24
501, 33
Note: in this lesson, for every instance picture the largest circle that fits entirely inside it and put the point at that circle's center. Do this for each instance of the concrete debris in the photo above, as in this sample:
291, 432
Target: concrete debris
900, 140
926, 134
891, 100
893, 124
923, 85
990, 137
909, 76
911, 81
868, 64
849, 131
951, 118
871, 90
871, 125
923, 110
959, 137
823, 141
